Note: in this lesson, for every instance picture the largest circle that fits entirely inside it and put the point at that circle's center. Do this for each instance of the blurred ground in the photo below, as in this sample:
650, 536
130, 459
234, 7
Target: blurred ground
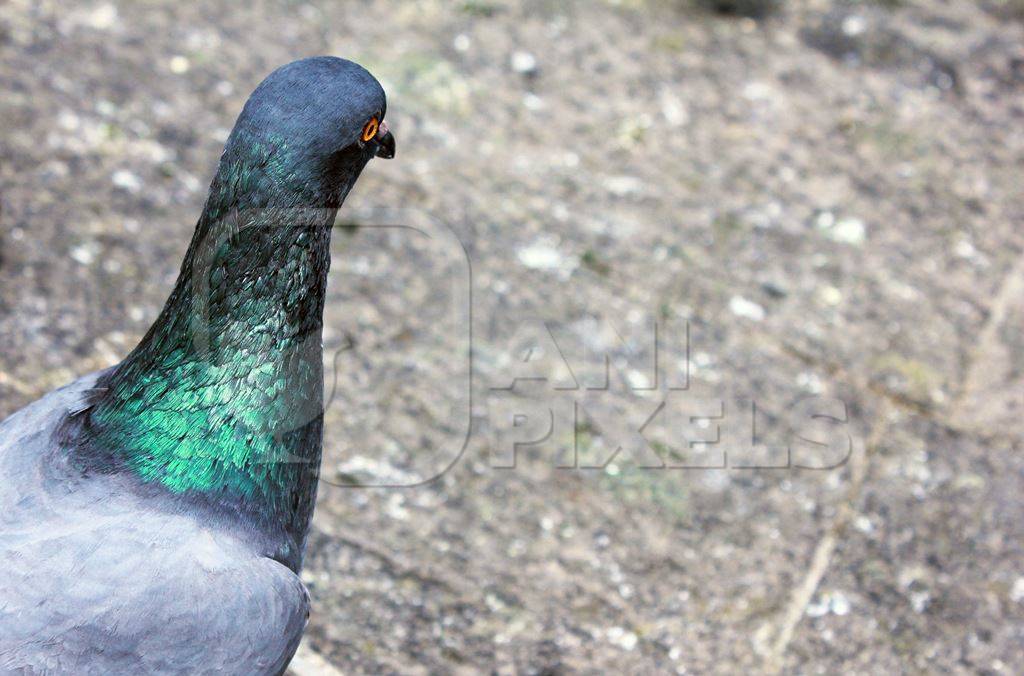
831, 197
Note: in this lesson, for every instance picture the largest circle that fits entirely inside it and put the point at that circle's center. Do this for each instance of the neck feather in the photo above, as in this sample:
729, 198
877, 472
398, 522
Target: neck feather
223, 397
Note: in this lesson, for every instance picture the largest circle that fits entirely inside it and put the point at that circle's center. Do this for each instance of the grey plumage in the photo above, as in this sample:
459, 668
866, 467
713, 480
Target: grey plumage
100, 580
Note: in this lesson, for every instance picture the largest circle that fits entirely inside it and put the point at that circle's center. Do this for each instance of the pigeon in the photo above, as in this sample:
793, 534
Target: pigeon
154, 515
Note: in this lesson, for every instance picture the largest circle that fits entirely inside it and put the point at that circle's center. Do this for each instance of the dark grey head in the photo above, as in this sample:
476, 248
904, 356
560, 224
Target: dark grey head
317, 120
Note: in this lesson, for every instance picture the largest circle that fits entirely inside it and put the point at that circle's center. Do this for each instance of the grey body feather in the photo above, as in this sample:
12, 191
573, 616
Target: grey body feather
97, 579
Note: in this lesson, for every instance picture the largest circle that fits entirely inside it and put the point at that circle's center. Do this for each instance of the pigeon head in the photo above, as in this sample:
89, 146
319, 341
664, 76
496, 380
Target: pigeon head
316, 122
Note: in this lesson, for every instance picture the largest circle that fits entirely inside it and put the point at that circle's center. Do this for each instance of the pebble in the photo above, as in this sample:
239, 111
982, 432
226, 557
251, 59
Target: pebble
623, 186
919, 601
524, 63
533, 103
1017, 592
106, 108
395, 507
179, 64
462, 43
829, 602
810, 382
623, 638
126, 180
839, 604
543, 255
854, 25
863, 524
774, 289
68, 121
849, 231
830, 295
748, 309
965, 249
84, 253
102, 18
673, 109
757, 91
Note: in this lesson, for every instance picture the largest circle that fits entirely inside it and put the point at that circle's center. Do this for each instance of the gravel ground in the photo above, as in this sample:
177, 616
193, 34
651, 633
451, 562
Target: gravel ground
828, 199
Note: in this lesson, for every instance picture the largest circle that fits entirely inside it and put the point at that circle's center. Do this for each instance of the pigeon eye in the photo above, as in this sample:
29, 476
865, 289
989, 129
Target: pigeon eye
370, 130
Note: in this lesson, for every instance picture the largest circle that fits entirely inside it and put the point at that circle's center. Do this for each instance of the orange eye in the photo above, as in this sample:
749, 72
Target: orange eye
370, 130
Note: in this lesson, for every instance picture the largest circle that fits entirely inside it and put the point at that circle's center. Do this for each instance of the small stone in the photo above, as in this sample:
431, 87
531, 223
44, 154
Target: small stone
102, 18
748, 309
179, 64
757, 91
919, 601
462, 43
395, 507
638, 380
533, 103
673, 109
524, 63
817, 609
849, 231
854, 25
839, 604
774, 289
622, 638
965, 249
544, 255
829, 602
126, 180
944, 81
863, 524
810, 382
830, 295
623, 186
84, 253
68, 121
1017, 592
106, 108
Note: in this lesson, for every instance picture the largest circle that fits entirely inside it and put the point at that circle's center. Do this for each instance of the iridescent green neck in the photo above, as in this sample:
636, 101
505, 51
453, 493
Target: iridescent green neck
223, 396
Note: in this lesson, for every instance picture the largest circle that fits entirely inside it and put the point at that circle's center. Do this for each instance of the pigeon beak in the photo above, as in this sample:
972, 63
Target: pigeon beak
385, 142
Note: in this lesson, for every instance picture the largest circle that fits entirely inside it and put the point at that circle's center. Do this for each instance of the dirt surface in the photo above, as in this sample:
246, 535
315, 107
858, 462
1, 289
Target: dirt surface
829, 199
